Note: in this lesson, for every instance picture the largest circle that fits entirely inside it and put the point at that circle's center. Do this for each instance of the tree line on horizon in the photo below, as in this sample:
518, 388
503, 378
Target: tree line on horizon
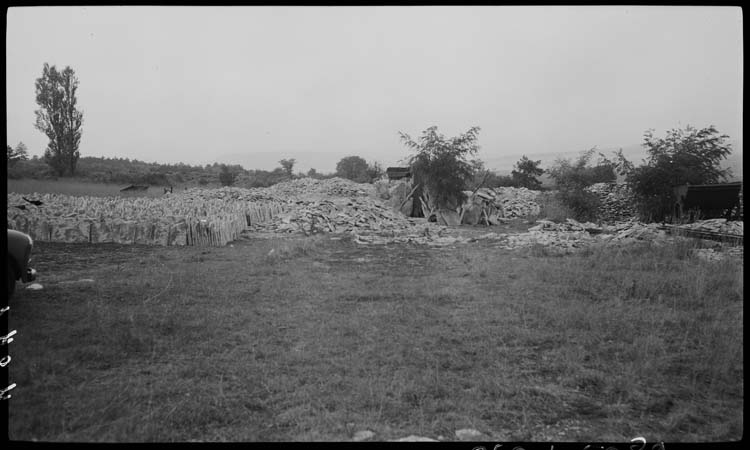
442, 166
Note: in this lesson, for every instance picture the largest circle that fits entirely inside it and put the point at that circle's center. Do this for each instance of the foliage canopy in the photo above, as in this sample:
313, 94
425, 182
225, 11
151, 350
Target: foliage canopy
684, 156
526, 172
353, 168
442, 164
20, 153
572, 177
58, 118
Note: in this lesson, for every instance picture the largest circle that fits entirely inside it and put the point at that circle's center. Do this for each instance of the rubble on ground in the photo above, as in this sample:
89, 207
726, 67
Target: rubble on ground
633, 230
616, 201
335, 187
349, 215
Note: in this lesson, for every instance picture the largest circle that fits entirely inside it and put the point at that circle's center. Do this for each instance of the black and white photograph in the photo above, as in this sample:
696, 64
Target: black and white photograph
481, 225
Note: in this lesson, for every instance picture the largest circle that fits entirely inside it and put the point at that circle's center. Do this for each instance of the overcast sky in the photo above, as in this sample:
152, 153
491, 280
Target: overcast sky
201, 84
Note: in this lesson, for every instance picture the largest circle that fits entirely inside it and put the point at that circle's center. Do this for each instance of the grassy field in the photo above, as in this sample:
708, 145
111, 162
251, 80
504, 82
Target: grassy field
78, 187
315, 339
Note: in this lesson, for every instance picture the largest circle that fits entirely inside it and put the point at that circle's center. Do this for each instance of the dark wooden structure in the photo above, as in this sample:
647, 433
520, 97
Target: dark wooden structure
398, 173
709, 200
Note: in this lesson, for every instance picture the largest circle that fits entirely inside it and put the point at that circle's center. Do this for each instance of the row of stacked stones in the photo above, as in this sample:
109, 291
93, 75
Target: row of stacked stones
179, 219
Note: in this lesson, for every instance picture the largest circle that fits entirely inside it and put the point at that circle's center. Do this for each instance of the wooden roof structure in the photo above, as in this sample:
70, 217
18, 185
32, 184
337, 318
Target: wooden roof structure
712, 200
397, 173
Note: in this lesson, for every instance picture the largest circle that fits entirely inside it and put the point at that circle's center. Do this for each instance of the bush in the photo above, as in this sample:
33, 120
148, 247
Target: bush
441, 165
684, 156
571, 179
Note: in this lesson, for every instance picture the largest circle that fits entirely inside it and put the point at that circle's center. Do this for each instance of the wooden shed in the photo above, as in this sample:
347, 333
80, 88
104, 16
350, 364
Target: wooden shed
398, 173
707, 200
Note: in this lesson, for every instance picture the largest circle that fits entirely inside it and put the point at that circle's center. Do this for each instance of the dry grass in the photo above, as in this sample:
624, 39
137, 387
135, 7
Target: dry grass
318, 339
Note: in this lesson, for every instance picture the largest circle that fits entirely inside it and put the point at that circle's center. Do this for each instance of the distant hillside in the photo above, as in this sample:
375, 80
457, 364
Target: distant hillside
503, 164
322, 162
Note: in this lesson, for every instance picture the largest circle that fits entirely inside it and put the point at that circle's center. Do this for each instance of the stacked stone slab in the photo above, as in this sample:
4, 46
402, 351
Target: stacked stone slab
616, 201
193, 218
516, 202
335, 187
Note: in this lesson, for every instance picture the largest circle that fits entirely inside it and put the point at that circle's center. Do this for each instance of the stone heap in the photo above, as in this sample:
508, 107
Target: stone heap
359, 215
571, 235
516, 202
568, 225
616, 201
228, 193
332, 187
562, 241
633, 230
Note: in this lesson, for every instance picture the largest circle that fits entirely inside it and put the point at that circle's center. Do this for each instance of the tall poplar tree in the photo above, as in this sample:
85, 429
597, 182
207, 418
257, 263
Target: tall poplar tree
58, 118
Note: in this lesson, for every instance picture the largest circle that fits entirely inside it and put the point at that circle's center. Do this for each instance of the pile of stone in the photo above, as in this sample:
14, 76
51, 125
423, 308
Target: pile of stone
427, 235
229, 193
360, 215
616, 201
333, 187
568, 225
516, 202
480, 208
571, 234
633, 230
563, 241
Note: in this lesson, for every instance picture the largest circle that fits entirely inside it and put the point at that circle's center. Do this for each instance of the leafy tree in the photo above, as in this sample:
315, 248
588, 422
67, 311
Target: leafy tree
58, 118
571, 179
580, 173
441, 165
353, 168
312, 173
227, 176
525, 173
375, 171
20, 153
287, 166
683, 156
